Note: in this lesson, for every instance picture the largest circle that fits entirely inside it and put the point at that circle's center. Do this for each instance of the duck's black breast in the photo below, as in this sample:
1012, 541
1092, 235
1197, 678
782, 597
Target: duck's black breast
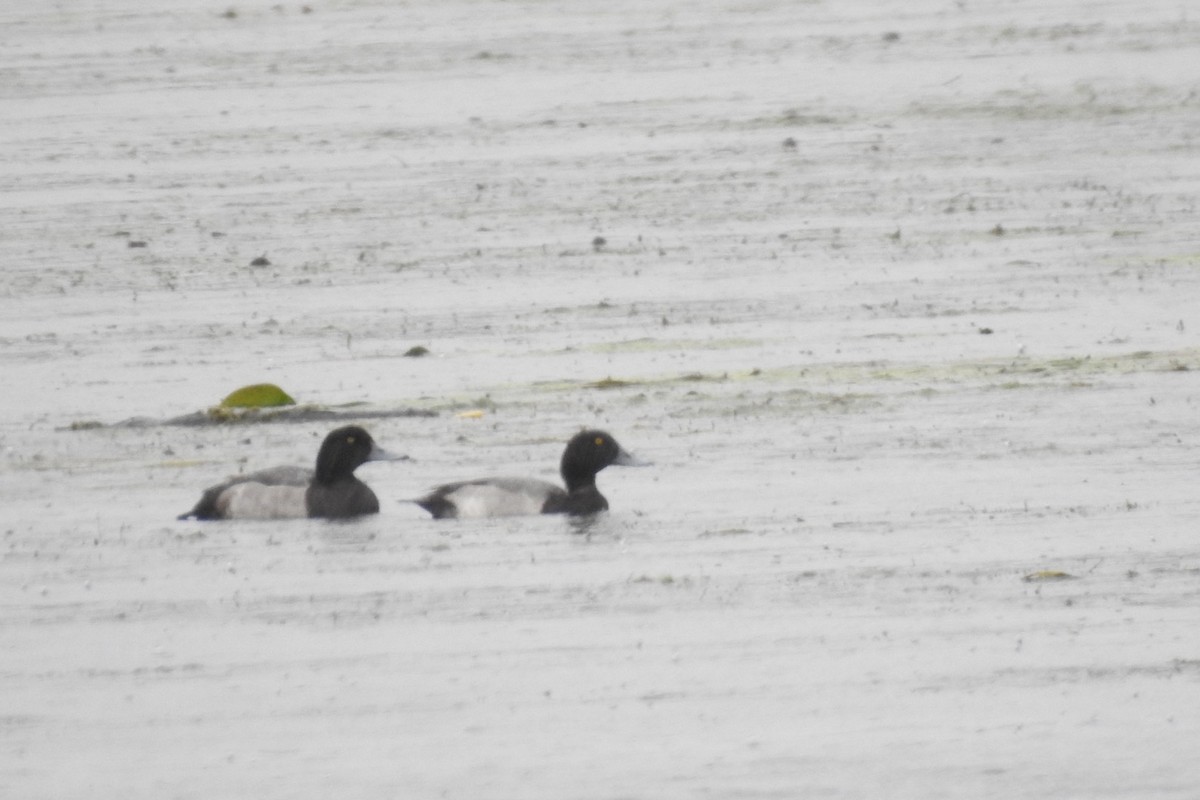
579, 503
340, 499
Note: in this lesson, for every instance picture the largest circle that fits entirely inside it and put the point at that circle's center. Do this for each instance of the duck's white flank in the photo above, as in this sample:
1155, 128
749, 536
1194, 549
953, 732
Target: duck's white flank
251, 500
501, 497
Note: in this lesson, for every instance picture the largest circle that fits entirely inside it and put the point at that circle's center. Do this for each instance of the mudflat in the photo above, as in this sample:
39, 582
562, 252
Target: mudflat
899, 299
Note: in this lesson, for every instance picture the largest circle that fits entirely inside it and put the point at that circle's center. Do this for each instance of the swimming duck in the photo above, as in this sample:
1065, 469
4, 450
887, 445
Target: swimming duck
586, 454
331, 491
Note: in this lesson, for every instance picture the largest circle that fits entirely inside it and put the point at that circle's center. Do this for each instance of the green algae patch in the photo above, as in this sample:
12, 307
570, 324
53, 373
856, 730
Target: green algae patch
258, 395
611, 383
651, 345
1018, 372
621, 383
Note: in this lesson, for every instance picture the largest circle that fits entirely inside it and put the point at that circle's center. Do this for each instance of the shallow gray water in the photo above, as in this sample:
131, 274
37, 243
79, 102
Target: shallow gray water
901, 305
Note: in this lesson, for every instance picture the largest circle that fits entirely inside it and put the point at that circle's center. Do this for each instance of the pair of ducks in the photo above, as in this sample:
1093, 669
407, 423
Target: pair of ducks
332, 491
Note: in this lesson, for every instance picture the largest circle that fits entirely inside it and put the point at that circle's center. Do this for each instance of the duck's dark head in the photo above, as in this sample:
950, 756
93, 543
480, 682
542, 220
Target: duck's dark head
587, 453
345, 450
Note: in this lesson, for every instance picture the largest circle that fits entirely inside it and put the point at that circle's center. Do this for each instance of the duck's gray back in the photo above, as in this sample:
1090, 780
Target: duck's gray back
277, 476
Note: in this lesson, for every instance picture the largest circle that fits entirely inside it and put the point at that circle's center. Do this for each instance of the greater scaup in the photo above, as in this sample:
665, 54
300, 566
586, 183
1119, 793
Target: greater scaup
586, 454
330, 491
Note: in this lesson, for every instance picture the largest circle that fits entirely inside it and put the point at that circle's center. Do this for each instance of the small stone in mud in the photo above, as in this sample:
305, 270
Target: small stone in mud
417, 351
261, 261
998, 230
230, 13
598, 243
986, 331
891, 36
136, 243
789, 143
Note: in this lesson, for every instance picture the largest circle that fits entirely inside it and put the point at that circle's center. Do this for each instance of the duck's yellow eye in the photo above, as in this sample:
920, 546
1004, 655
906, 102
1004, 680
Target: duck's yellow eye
599, 441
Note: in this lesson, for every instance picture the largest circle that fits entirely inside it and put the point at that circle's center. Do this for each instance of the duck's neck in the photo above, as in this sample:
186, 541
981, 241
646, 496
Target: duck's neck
332, 472
577, 482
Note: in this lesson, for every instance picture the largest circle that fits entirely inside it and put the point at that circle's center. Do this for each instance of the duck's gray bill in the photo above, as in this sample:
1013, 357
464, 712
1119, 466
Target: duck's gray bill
379, 454
626, 459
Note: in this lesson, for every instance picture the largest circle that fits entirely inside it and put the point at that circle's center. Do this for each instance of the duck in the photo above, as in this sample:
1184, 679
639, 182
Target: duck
586, 454
331, 491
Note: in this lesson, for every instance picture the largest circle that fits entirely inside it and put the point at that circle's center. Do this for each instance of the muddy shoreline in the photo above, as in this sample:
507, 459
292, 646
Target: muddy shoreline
900, 304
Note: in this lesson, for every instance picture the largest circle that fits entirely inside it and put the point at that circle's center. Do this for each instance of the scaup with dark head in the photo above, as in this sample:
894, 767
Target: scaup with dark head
331, 491
586, 454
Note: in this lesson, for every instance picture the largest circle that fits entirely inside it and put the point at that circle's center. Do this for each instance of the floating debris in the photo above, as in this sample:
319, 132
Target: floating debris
416, 351
258, 395
253, 416
258, 403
